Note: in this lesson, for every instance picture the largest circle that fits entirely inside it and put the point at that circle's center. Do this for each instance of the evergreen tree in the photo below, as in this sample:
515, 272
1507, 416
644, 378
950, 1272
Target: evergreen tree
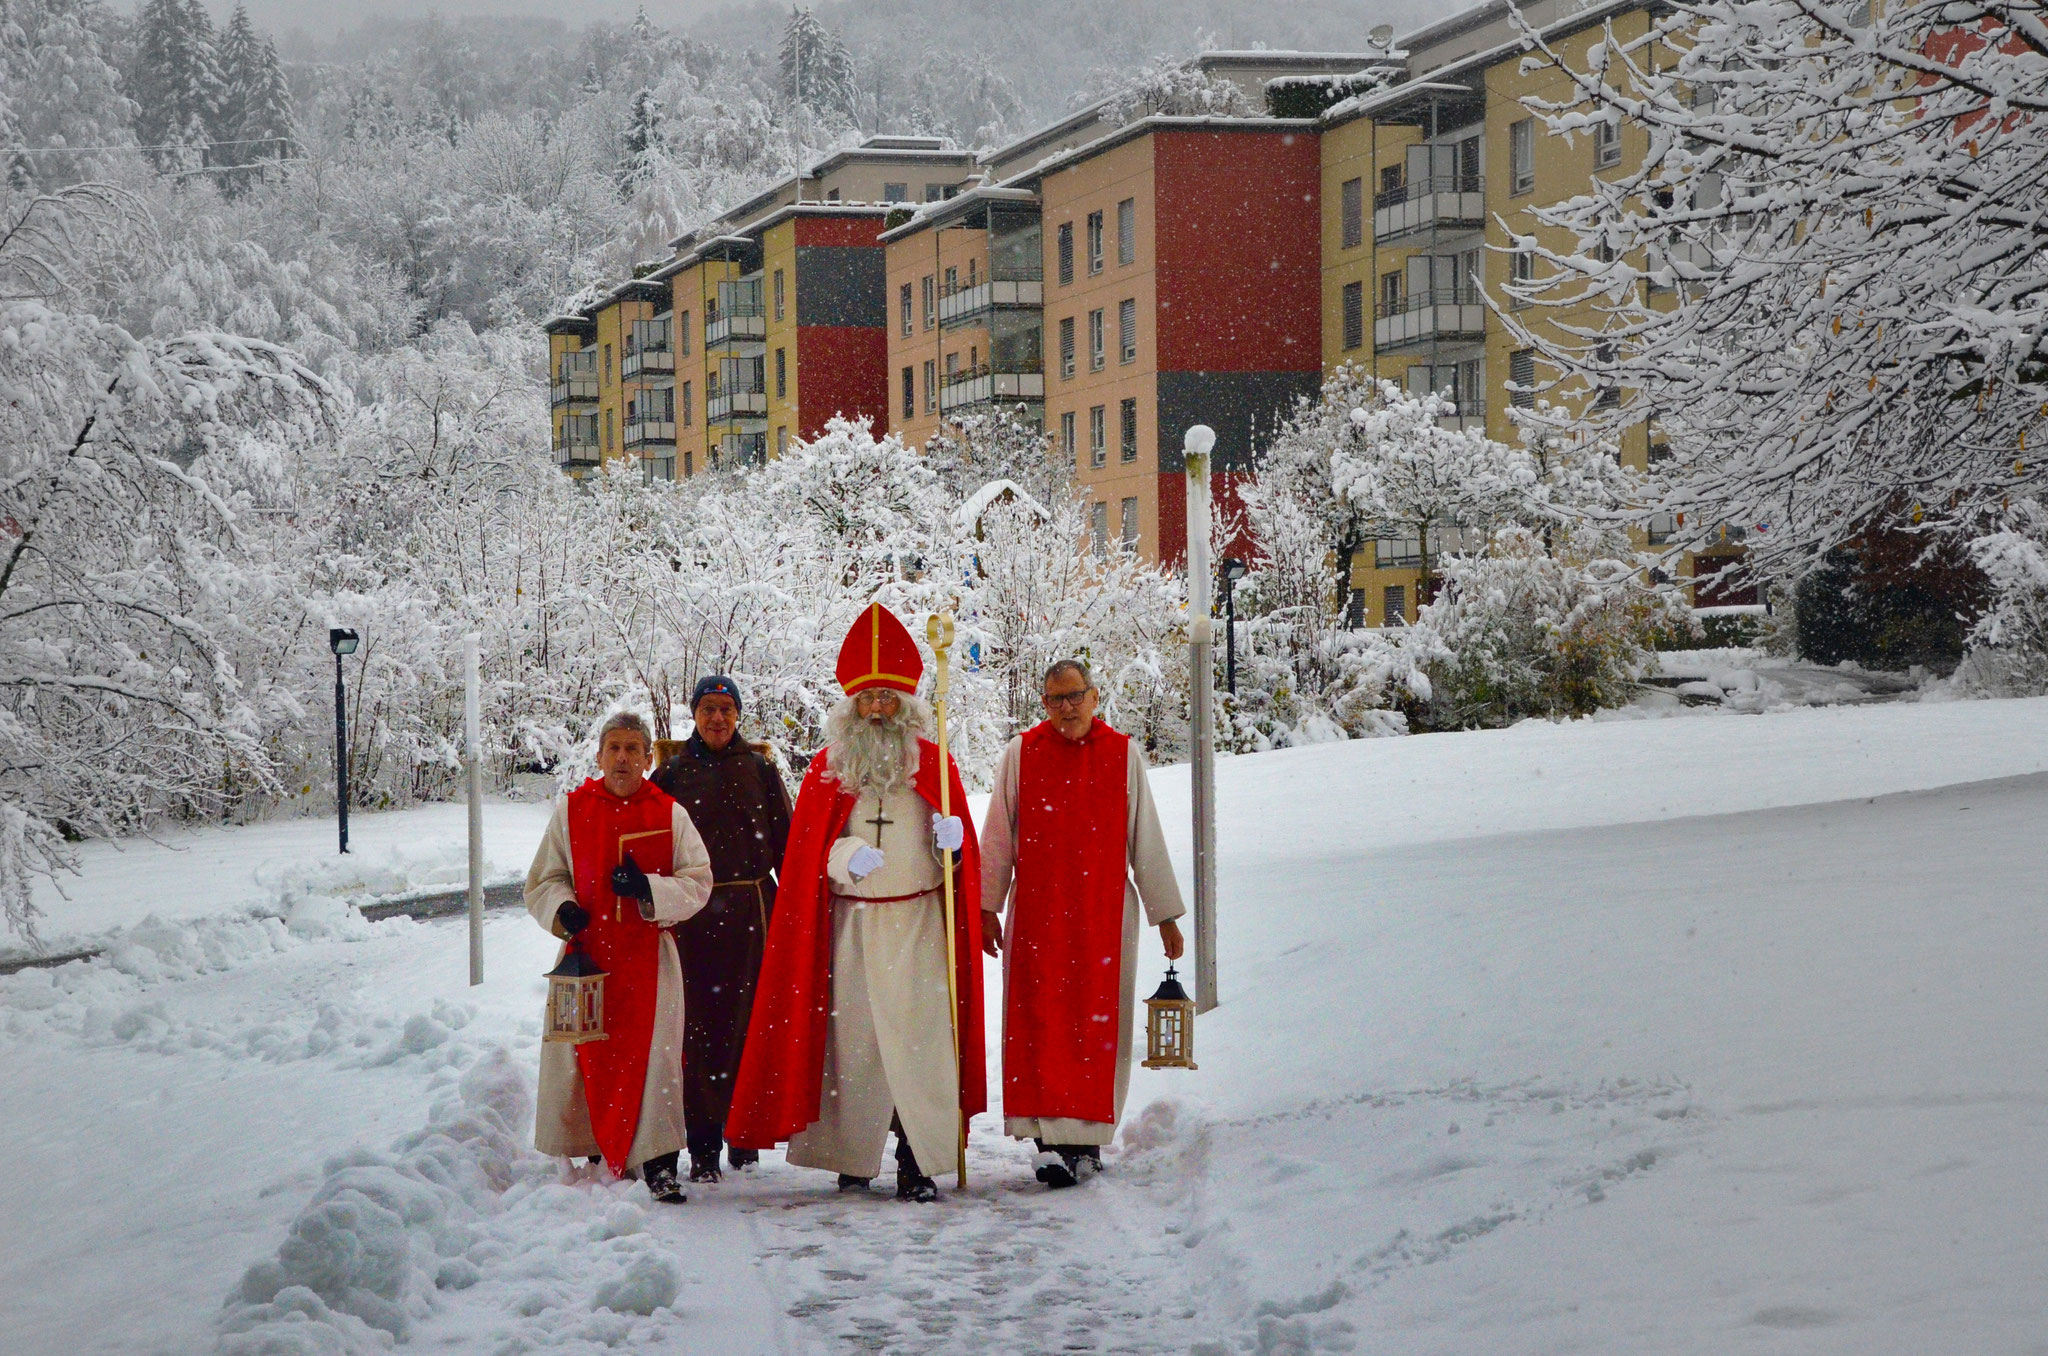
267, 130
175, 82
238, 57
57, 89
642, 140
817, 70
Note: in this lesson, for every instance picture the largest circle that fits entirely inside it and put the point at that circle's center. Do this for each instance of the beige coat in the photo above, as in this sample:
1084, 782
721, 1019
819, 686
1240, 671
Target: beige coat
1150, 883
562, 1118
890, 1046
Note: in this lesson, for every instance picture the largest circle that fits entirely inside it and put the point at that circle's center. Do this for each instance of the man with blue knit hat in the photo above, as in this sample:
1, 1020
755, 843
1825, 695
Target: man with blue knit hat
736, 799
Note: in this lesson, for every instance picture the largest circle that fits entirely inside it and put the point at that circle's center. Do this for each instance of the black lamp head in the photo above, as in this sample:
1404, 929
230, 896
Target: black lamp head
341, 640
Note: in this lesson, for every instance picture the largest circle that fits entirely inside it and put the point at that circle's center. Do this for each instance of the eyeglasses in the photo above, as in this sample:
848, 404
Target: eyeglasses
876, 697
1071, 701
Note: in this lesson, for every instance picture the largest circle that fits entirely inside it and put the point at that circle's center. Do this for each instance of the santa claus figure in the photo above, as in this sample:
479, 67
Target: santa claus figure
851, 1031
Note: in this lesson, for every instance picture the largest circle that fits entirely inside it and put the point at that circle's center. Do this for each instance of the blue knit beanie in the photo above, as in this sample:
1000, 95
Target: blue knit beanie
719, 684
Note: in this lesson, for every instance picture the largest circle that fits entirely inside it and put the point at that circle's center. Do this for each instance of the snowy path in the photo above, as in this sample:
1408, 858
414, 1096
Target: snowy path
1623, 1081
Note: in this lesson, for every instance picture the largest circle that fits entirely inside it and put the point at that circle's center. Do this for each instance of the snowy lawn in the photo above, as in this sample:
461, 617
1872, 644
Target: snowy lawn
1708, 1034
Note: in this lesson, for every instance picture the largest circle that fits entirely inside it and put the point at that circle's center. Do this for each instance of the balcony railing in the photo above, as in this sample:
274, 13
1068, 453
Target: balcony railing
575, 451
650, 433
1471, 416
575, 379
976, 386
958, 306
735, 405
738, 324
1445, 200
743, 449
1419, 317
648, 361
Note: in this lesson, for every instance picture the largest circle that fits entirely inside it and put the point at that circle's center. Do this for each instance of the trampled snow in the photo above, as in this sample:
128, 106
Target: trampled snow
1706, 1034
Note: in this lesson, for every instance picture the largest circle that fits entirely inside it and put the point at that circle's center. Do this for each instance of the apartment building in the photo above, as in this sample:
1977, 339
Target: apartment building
1425, 185
612, 379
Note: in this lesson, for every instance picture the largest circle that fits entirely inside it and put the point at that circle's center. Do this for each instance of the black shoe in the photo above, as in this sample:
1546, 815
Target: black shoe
704, 1167
742, 1159
1056, 1170
660, 1175
848, 1182
1086, 1162
915, 1186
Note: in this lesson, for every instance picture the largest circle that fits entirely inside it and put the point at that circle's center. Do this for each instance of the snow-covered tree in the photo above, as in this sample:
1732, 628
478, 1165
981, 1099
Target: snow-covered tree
176, 82
57, 90
1172, 86
998, 444
1826, 279
817, 70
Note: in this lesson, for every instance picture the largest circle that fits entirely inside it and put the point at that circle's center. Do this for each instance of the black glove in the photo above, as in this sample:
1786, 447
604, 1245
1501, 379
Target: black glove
572, 917
630, 882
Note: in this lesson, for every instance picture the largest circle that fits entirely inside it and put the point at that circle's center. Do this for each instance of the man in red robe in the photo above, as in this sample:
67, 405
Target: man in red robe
851, 1032
1072, 839
619, 864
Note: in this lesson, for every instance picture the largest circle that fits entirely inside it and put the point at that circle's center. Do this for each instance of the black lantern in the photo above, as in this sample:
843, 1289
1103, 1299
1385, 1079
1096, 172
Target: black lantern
1233, 570
575, 999
1170, 1026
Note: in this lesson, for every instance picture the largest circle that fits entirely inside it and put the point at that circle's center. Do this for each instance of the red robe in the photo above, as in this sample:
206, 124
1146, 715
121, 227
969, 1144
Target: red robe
782, 1070
624, 945
1062, 992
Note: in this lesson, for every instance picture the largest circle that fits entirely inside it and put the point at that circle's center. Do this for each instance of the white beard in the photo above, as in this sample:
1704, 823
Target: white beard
875, 757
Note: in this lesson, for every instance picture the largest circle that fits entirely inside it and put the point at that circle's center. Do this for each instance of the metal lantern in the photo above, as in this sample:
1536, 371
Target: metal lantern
575, 999
1170, 1026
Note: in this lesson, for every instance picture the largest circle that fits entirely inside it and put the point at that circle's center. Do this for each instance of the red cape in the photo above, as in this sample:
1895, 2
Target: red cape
782, 1067
1063, 990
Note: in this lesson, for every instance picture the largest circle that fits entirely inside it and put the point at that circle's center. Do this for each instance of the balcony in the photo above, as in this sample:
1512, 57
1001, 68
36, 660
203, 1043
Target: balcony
577, 447
1428, 317
648, 362
736, 325
575, 380
957, 308
1470, 418
980, 386
1455, 200
728, 405
743, 449
650, 433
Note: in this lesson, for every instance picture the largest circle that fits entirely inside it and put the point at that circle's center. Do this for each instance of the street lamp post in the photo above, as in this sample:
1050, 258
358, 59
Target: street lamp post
342, 642
1198, 444
1233, 570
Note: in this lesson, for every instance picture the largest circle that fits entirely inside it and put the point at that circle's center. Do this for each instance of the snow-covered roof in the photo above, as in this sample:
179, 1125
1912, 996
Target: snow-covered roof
963, 203
1145, 126
978, 503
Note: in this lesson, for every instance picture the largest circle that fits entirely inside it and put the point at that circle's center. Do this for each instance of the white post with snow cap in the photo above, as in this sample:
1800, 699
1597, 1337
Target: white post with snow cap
473, 755
1200, 441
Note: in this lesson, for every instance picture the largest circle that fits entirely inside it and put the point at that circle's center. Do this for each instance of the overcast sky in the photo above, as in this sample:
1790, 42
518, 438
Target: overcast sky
322, 18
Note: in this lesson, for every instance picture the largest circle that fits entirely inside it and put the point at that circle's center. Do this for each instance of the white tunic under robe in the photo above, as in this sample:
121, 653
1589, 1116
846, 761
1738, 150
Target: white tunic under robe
1150, 883
562, 1116
891, 1041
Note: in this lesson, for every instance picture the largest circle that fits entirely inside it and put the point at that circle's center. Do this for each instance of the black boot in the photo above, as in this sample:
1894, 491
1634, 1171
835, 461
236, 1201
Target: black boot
848, 1182
704, 1167
741, 1159
911, 1183
659, 1173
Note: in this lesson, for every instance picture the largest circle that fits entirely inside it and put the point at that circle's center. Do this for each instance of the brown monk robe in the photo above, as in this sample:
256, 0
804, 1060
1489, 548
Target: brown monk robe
737, 800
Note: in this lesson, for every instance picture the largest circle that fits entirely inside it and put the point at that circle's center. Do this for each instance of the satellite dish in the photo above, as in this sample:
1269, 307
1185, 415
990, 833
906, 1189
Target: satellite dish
1382, 35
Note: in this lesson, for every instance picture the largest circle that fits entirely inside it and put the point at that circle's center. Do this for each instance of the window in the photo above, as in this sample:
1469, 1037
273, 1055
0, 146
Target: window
1067, 346
607, 364
1352, 213
1067, 444
1354, 609
1522, 373
931, 385
1098, 434
1610, 394
689, 465
909, 392
935, 193
1394, 605
1391, 179
1127, 232
832, 195
1521, 269
683, 333
931, 304
778, 294
1390, 293
906, 310
1066, 253
781, 439
952, 282
1127, 330
1130, 525
971, 278
895, 192
609, 443
1098, 527
1522, 155
1606, 143
686, 404
1094, 242
781, 374
1127, 430
1095, 351
1354, 315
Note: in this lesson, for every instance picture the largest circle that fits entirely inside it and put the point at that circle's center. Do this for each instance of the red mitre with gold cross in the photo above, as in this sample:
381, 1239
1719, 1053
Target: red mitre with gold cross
879, 653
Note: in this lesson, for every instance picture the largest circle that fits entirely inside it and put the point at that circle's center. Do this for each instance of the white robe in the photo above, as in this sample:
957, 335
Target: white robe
890, 1046
562, 1114
1151, 882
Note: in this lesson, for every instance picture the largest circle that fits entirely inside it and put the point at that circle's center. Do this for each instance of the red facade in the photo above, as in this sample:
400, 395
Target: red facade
844, 370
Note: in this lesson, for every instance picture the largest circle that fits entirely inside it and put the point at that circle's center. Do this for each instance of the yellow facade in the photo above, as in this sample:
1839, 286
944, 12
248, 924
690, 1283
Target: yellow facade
778, 292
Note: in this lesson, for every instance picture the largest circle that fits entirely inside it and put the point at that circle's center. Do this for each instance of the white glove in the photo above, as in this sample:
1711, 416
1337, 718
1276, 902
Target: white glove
864, 862
947, 834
